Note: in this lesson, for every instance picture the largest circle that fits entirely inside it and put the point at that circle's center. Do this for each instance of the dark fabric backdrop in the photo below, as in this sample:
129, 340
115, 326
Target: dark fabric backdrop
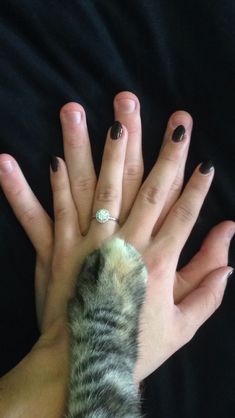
173, 55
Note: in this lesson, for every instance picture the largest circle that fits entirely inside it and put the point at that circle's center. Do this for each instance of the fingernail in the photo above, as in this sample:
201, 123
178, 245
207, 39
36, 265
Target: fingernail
230, 273
231, 234
206, 167
54, 163
178, 134
226, 276
116, 130
6, 167
125, 105
72, 117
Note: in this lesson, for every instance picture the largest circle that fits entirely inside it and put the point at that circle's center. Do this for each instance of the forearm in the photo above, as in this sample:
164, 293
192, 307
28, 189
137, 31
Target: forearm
26, 394
14, 392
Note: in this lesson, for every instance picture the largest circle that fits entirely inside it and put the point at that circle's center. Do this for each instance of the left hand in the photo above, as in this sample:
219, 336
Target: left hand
44, 370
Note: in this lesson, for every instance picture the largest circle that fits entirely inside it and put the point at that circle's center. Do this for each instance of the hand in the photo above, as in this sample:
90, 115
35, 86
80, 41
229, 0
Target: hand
61, 251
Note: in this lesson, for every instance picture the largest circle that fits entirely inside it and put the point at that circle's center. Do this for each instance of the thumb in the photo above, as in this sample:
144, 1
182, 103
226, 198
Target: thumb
203, 301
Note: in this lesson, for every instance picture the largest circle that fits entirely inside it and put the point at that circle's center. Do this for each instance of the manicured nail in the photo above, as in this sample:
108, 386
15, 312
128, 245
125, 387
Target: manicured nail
72, 117
231, 234
125, 105
116, 130
6, 167
54, 163
230, 273
178, 134
206, 167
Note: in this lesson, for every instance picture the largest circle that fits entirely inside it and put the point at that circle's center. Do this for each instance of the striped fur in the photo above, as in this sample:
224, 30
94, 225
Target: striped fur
103, 318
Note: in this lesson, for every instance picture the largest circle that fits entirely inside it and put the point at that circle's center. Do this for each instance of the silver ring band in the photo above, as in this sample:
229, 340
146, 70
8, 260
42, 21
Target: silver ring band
102, 216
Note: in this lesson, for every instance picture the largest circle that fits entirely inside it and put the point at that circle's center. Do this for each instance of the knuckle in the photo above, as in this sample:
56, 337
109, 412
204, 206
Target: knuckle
133, 171
157, 262
198, 187
169, 157
106, 194
29, 215
61, 213
151, 194
177, 184
216, 300
83, 184
64, 256
114, 153
46, 252
133, 127
44, 256
58, 263
73, 142
187, 326
171, 154
16, 191
213, 302
60, 186
183, 212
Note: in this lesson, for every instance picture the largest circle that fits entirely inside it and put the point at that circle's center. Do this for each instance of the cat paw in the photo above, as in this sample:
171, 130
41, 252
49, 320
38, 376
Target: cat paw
123, 259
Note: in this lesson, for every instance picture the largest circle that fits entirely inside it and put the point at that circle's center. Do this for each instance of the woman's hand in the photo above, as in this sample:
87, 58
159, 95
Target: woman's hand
152, 218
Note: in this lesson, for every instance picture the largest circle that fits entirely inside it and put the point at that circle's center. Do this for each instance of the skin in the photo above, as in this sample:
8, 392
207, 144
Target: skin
156, 217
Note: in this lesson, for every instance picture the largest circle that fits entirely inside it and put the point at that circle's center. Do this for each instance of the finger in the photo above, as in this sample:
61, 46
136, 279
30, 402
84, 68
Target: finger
108, 193
153, 193
200, 304
42, 278
108, 190
212, 255
78, 157
127, 112
67, 231
67, 235
182, 217
177, 119
28, 210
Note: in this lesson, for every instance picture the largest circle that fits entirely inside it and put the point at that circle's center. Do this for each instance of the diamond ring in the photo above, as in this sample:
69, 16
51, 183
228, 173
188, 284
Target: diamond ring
102, 216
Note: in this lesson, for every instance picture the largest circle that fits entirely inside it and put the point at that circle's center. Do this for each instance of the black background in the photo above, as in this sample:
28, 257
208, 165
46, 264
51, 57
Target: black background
173, 55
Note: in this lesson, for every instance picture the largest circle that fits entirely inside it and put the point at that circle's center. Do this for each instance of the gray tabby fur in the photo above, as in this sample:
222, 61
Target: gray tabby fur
103, 318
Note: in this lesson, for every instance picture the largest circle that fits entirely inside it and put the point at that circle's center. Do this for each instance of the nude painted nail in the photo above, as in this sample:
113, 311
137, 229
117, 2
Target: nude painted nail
6, 167
230, 273
72, 117
125, 105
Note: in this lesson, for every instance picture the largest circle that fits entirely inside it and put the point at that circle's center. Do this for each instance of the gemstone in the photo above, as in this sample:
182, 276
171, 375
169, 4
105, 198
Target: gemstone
102, 216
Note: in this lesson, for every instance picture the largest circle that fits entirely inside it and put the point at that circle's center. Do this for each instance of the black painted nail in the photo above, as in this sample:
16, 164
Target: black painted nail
206, 167
178, 134
54, 163
116, 130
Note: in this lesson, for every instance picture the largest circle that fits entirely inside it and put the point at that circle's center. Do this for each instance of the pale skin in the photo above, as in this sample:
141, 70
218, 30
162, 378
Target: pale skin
156, 217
